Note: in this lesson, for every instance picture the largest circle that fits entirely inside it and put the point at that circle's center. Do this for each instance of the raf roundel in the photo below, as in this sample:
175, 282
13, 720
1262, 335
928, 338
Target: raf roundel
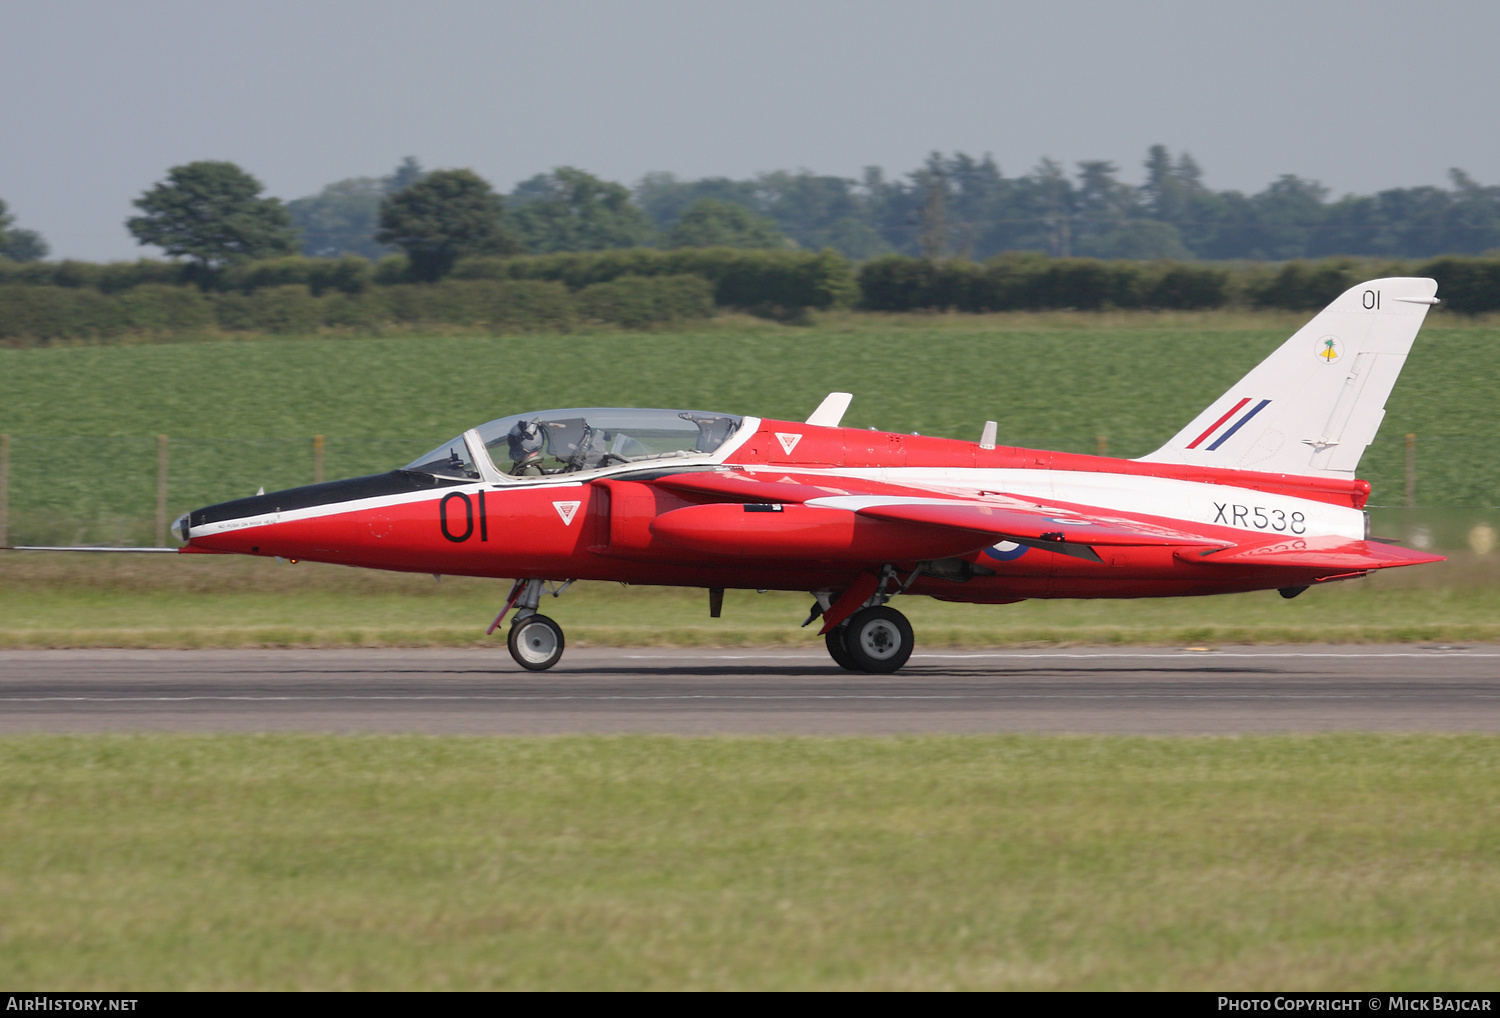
1006, 551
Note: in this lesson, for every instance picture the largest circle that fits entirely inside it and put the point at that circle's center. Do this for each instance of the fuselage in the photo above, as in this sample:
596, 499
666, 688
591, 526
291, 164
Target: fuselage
613, 519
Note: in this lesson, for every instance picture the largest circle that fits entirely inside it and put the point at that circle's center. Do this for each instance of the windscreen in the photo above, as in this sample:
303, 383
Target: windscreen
451, 459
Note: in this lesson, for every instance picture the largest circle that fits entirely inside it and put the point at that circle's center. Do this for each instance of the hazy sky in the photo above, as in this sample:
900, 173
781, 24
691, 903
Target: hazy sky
101, 97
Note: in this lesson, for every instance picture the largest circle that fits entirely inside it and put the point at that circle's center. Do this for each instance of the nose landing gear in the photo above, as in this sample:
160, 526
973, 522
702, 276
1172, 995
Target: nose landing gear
535, 641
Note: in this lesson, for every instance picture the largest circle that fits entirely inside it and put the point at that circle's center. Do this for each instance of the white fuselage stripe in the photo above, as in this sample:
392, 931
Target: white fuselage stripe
1191, 502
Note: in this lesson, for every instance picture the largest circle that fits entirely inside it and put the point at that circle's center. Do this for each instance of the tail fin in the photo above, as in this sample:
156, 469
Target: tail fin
1313, 406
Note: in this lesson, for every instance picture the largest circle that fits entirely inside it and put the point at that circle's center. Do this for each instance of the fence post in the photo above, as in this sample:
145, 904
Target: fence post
4, 490
317, 459
1411, 469
161, 491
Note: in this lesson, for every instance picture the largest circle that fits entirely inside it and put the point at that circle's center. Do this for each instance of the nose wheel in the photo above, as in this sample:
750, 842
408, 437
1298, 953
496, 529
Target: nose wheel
876, 639
536, 642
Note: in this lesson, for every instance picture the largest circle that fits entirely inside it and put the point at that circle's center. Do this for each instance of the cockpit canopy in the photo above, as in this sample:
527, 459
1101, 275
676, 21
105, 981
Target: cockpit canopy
569, 441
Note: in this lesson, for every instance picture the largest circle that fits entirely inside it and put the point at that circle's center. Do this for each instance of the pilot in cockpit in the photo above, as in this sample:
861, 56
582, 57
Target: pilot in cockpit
526, 445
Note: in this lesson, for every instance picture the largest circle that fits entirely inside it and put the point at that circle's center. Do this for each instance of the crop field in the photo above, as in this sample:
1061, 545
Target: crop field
241, 862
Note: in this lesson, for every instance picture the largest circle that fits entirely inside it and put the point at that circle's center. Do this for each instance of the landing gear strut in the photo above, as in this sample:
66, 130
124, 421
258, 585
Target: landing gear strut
535, 641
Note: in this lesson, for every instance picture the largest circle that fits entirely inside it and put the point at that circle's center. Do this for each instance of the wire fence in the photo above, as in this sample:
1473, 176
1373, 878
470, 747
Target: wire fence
1432, 491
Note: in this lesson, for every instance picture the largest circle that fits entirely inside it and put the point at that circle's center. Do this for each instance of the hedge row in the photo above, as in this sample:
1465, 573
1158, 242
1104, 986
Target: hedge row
1029, 282
771, 281
897, 283
742, 279
745, 279
33, 314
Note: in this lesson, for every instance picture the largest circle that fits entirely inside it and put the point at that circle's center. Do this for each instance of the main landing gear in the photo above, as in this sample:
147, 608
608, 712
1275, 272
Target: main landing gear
876, 638
535, 641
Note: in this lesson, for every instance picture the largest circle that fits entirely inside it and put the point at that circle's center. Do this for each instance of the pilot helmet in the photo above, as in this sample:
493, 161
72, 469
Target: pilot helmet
525, 441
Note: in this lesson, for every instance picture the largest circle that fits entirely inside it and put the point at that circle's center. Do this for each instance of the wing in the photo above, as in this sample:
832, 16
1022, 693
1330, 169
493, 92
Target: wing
902, 518
1041, 524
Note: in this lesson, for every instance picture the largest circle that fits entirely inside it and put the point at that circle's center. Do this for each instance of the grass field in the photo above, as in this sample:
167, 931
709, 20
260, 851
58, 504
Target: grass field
242, 414
198, 601
136, 863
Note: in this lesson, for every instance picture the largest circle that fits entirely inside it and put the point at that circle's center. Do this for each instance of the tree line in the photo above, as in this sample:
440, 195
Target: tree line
953, 206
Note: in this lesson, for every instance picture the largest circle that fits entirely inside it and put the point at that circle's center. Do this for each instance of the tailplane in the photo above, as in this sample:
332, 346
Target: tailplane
1313, 406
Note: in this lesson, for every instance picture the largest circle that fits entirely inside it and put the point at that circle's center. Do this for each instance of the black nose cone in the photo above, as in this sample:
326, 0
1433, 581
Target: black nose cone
397, 482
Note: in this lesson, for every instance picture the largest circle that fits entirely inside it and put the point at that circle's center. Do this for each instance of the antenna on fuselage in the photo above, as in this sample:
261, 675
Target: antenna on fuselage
987, 436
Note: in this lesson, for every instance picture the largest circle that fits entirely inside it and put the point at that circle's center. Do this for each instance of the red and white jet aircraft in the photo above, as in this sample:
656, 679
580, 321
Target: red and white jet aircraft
1255, 493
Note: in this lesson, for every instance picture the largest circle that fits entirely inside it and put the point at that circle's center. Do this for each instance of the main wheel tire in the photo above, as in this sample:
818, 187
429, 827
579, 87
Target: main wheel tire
834, 641
878, 639
536, 642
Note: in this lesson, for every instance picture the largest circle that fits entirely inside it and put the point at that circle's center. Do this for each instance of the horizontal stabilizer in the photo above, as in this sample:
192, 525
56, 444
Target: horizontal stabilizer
1335, 554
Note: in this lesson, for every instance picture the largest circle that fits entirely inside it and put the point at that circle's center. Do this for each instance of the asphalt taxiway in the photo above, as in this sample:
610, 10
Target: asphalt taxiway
756, 692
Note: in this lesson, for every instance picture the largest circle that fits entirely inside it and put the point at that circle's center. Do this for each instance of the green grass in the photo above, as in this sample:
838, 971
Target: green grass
241, 862
202, 601
242, 413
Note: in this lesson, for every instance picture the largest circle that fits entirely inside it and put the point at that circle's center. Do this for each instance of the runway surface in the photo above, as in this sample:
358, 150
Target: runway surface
751, 692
